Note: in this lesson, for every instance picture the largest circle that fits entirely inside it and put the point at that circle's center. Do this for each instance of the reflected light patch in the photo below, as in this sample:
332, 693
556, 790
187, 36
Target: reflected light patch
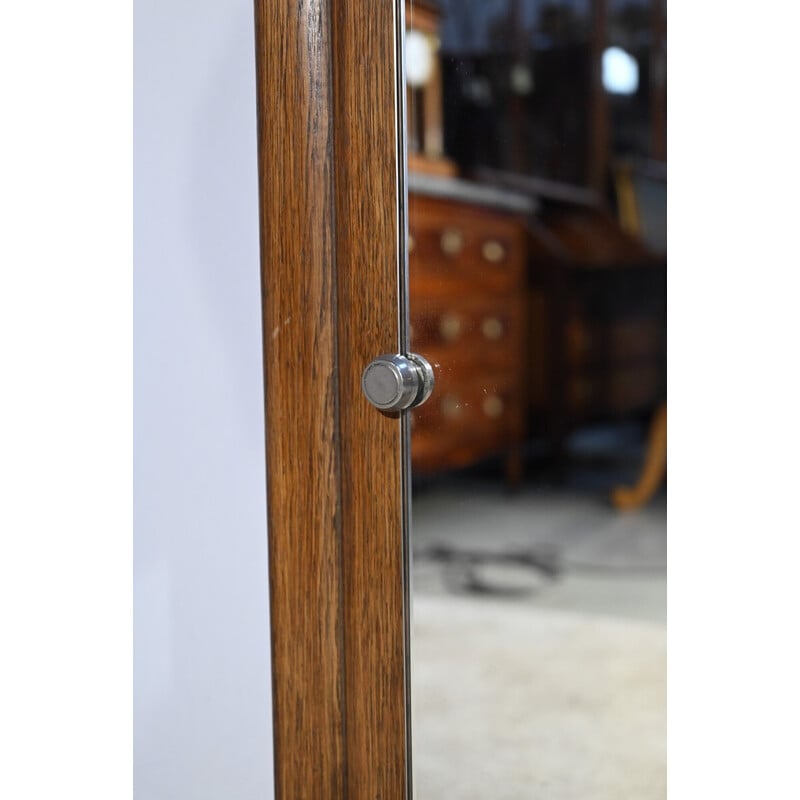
620, 71
419, 59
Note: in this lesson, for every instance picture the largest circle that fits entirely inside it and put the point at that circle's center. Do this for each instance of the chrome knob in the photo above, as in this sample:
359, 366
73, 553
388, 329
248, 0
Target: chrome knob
394, 382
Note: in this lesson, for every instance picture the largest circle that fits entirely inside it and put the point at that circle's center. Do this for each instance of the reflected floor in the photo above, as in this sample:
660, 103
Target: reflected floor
526, 683
607, 562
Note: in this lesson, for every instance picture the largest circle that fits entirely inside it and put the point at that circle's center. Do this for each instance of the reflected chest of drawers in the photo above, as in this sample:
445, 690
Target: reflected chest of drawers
597, 322
467, 293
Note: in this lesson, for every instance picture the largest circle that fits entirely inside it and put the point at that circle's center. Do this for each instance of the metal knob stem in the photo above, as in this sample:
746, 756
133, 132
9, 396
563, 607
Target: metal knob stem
395, 382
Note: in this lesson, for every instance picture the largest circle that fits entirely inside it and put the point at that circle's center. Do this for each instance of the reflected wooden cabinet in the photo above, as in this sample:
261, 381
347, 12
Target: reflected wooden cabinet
597, 322
467, 263
540, 316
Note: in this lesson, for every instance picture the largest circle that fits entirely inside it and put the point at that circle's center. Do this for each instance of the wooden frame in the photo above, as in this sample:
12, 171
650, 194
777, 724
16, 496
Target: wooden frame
332, 250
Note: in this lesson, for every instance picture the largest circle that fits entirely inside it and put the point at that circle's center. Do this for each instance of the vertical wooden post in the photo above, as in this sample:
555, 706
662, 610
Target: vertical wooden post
331, 285
370, 283
297, 206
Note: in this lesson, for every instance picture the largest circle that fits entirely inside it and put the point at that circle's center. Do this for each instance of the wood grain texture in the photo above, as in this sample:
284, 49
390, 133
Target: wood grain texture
329, 228
372, 466
293, 42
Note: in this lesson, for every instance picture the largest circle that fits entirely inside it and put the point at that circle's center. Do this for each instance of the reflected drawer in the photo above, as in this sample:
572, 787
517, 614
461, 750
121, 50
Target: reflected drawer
432, 452
466, 417
453, 243
469, 330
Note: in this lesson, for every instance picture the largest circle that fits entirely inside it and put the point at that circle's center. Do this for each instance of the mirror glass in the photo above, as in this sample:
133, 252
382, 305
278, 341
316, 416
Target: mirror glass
536, 136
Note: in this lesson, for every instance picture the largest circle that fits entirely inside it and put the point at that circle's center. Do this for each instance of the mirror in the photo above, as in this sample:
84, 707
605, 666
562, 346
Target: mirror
536, 135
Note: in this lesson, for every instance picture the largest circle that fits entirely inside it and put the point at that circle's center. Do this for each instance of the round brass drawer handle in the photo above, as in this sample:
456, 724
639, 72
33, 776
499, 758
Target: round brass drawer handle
493, 406
493, 251
450, 327
492, 329
451, 241
451, 406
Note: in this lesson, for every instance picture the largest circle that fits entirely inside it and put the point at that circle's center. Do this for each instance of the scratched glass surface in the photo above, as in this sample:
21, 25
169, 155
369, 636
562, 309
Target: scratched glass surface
536, 138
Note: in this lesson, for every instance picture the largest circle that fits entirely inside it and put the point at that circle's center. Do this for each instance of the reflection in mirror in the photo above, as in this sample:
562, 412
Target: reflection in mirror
536, 135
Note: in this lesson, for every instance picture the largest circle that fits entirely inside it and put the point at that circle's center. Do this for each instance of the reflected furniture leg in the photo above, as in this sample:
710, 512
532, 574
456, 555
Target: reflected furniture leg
653, 471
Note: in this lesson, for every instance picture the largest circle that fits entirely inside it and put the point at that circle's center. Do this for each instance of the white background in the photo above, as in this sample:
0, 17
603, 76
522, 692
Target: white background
202, 716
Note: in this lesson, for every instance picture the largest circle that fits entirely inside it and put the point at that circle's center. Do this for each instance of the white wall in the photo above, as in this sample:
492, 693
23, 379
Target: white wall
202, 715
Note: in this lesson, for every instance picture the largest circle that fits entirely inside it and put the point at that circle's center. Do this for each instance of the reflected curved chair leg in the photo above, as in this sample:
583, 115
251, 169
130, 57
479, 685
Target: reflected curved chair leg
653, 471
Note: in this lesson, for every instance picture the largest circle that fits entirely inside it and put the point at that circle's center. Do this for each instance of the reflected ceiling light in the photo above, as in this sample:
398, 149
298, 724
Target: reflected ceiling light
620, 71
521, 79
419, 59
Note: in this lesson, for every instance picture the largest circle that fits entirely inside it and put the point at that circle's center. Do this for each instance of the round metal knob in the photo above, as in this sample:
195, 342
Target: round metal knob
394, 382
